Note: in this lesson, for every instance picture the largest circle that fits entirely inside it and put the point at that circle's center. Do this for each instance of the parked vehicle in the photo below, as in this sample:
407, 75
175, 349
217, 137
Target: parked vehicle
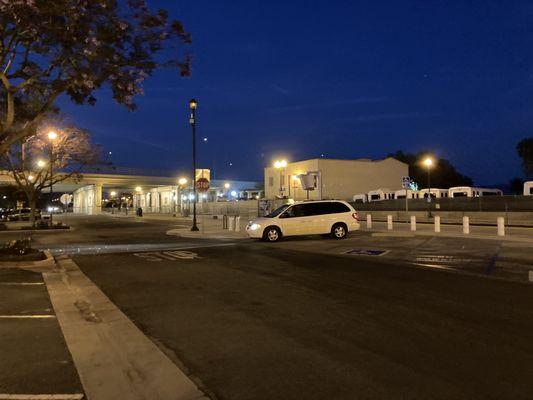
331, 217
467, 191
528, 188
23, 215
380, 194
400, 194
360, 198
435, 193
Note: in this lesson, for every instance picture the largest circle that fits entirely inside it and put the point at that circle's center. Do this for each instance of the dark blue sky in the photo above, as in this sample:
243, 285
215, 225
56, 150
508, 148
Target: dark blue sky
346, 79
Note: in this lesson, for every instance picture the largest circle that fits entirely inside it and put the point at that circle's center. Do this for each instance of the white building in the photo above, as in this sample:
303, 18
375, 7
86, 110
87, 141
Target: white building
322, 178
528, 188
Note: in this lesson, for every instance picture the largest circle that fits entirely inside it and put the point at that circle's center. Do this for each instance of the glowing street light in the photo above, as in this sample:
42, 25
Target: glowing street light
226, 185
31, 178
52, 135
41, 163
113, 193
138, 189
182, 181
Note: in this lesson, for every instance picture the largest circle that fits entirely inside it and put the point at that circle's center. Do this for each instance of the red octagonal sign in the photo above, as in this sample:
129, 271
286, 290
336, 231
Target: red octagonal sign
202, 185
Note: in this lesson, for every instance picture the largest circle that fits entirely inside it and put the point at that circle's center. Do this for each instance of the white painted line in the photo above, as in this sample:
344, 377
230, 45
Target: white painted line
21, 284
76, 396
41, 316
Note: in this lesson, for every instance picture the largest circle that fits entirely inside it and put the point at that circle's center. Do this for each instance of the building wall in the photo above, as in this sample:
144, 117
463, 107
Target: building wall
272, 180
339, 179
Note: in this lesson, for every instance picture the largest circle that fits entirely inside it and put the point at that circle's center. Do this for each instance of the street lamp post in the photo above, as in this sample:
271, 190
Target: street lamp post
428, 162
193, 104
52, 136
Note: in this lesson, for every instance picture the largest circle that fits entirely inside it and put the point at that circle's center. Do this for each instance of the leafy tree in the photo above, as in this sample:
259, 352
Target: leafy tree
525, 151
73, 47
516, 186
443, 173
28, 162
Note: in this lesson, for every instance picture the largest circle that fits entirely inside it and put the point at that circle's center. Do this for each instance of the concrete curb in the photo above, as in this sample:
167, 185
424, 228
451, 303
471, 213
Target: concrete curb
508, 238
37, 230
48, 262
114, 359
186, 233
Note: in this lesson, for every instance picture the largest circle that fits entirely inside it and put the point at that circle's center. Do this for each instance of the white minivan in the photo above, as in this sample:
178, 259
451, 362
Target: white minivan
334, 217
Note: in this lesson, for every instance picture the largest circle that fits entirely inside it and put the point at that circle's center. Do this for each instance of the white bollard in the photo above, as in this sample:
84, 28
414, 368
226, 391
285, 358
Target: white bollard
437, 223
413, 223
466, 225
231, 221
501, 226
237, 224
368, 221
389, 222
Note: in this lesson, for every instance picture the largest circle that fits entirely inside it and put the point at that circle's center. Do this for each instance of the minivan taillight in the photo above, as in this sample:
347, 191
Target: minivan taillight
355, 216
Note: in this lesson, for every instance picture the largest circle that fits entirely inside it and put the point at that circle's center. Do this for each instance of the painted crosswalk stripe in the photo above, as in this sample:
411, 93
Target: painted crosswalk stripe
75, 396
38, 316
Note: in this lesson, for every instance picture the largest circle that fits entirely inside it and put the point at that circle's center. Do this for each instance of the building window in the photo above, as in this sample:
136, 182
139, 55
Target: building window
270, 181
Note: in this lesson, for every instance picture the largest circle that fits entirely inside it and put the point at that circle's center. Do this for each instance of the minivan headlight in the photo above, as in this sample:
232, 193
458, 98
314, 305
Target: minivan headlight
254, 227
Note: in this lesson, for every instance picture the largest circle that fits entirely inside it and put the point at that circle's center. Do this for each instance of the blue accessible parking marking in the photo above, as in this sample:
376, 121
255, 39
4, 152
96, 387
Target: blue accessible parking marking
366, 252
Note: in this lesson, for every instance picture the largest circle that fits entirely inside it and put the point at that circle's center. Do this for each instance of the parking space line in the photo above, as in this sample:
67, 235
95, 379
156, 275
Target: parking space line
38, 316
74, 396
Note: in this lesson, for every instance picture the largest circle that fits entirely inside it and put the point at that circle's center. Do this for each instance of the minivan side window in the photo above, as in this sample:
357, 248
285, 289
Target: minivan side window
294, 211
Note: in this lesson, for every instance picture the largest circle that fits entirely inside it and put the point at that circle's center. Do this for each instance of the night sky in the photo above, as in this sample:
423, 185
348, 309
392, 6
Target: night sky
346, 79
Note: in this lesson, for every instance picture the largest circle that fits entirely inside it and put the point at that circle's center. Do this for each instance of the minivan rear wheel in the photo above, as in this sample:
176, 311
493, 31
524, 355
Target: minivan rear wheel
272, 234
339, 231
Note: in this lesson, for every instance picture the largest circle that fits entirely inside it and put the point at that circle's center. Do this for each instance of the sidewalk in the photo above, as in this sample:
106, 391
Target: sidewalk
456, 231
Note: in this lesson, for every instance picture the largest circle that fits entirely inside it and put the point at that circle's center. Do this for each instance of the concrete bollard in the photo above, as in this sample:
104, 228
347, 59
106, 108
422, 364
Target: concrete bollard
466, 225
501, 226
437, 223
237, 224
413, 223
389, 222
368, 221
231, 223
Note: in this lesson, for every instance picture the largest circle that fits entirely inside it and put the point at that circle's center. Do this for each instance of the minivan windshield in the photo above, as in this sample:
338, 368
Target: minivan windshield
278, 211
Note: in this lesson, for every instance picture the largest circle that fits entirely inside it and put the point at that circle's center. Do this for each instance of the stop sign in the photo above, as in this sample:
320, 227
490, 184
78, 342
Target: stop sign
202, 184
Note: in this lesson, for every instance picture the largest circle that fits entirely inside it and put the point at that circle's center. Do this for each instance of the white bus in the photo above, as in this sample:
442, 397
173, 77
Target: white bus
401, 194
467, 191
360, 198
528, 188
435, 193
380, 194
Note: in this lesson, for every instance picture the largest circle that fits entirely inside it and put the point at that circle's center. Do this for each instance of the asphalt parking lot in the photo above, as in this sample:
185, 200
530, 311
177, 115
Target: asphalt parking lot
34, 357
264, 321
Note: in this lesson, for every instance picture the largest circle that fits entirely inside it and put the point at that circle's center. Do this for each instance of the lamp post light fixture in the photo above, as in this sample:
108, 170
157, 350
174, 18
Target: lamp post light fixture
281, 165
41, 163
193, 105
52, 136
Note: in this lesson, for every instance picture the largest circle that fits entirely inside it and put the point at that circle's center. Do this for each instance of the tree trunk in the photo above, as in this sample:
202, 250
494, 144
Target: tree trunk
33, 203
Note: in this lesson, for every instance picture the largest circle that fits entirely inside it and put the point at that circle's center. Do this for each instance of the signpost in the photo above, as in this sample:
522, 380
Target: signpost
202, 185
406, 184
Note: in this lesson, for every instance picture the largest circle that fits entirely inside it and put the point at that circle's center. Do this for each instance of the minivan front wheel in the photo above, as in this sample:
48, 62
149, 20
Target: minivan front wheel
339, 231
272, 234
